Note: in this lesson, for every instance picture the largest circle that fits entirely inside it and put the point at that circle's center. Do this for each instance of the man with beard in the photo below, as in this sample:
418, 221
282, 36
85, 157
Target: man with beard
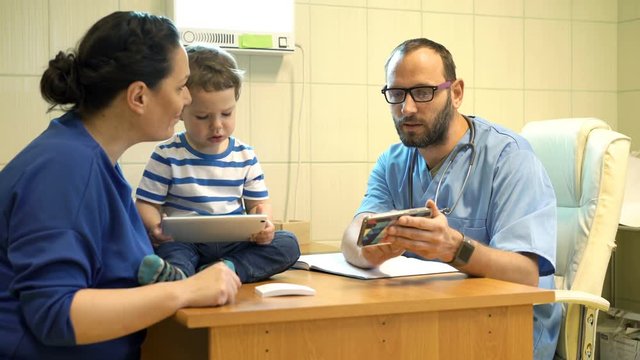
493, 206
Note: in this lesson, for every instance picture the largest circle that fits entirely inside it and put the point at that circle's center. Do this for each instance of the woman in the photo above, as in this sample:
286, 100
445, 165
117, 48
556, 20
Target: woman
70, 237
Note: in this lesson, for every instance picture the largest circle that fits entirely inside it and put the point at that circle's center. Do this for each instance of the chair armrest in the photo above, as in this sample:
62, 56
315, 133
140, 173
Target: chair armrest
582, 298
578, 339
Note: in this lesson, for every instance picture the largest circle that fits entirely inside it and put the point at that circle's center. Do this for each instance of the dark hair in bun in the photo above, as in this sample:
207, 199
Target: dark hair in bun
119, 49
58, 83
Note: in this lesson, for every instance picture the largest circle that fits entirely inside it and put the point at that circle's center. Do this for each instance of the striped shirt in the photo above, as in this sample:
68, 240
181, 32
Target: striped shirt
187, 182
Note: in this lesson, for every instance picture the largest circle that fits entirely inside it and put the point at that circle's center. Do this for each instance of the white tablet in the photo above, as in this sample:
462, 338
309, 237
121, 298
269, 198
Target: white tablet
202, 229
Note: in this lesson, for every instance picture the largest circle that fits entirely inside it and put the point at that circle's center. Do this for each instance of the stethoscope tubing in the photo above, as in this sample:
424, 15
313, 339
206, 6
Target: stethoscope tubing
456, 151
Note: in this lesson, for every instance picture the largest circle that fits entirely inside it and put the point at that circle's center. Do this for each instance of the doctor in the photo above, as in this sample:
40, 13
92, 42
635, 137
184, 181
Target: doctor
493, 206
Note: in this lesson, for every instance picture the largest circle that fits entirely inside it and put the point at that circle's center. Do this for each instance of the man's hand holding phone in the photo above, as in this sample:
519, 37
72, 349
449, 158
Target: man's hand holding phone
373, 228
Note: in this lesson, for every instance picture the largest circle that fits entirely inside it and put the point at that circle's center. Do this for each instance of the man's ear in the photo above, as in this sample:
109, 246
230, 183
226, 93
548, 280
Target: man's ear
457, 93
137, 96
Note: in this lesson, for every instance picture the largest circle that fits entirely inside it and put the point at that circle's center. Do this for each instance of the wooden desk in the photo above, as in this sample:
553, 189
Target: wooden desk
318, 248
424, 317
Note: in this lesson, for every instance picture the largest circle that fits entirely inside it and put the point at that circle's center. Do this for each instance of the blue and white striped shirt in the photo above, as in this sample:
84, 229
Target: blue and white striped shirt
187, 182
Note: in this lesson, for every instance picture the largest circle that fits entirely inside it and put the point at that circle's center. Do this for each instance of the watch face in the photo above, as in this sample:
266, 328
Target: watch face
465, 251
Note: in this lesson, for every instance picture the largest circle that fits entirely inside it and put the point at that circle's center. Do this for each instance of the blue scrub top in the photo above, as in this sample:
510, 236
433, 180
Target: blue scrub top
508, 203
67, 223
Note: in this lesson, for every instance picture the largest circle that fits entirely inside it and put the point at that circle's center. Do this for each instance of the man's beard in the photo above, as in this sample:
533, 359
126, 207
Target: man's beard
435, 135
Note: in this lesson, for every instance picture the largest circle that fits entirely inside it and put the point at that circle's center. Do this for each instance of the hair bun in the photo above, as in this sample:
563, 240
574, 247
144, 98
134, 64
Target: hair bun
59, 85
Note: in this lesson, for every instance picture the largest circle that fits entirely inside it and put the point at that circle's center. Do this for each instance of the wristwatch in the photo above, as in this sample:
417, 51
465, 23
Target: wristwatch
464, 252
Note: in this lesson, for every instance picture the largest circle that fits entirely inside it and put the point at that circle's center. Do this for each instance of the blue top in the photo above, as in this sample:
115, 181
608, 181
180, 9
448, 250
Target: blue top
508, 203
67, 222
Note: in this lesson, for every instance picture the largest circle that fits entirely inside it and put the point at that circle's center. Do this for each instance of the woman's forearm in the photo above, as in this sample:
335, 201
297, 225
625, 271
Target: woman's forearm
104, 314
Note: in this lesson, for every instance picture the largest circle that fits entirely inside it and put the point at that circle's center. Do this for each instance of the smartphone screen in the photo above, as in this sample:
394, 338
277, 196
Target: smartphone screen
374, 226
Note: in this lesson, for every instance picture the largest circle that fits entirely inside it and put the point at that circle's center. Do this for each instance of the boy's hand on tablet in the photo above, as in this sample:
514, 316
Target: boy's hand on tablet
265, 237
157, 236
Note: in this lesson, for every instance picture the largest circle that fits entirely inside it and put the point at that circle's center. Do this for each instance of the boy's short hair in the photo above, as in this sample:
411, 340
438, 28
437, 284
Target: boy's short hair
213, 69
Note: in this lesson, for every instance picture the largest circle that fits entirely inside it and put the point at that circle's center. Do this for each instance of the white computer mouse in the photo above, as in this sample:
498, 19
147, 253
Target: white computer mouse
280, 289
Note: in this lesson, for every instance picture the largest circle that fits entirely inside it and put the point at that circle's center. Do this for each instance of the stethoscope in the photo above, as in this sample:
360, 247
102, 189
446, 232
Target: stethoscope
470, 145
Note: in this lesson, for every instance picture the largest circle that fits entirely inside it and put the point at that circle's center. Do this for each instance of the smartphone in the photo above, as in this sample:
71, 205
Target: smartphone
373, 227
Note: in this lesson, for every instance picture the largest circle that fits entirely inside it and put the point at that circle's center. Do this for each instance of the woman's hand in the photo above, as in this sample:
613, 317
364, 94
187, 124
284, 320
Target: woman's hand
213, 286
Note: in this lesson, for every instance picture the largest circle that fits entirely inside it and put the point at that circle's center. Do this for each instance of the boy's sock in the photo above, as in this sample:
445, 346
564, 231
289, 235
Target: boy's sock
154, 269
229, 264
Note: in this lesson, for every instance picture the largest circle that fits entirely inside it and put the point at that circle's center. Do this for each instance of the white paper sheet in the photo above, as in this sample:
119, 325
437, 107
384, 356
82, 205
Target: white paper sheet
335, 263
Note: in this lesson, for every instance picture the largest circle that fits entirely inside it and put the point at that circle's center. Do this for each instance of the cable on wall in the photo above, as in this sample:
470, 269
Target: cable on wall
290, 152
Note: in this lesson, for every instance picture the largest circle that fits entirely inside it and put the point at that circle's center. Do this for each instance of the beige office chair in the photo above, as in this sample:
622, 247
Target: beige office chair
587, 164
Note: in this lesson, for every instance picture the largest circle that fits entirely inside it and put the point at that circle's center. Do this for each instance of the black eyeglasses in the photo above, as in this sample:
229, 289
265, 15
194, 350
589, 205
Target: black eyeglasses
418, 93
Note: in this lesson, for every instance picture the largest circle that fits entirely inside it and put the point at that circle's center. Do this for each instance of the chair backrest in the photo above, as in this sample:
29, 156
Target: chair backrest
587, 163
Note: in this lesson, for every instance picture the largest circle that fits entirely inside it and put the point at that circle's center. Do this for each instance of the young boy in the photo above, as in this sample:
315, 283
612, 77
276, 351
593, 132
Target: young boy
206, 171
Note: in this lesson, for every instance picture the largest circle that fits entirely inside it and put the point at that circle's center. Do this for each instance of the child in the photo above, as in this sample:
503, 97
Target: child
206, 171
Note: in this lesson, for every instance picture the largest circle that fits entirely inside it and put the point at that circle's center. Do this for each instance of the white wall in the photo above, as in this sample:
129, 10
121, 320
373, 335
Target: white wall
521, 60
